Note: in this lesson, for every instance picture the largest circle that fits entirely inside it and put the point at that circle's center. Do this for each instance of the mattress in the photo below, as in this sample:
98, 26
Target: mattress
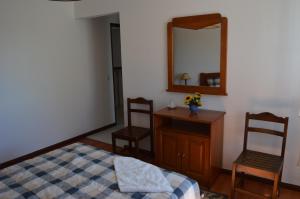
80, 171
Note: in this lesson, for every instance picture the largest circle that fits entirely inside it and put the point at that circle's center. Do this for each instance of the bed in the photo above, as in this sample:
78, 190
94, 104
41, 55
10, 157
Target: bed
79, 171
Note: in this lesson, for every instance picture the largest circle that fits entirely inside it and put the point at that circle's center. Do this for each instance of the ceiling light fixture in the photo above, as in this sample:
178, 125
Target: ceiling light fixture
64, 0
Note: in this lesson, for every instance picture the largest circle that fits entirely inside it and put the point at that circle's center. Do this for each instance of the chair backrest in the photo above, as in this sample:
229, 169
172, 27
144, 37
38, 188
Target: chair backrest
140, 100
268, 117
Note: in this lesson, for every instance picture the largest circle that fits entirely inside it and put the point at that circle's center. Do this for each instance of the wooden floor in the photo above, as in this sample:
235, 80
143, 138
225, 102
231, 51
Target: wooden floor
223, 182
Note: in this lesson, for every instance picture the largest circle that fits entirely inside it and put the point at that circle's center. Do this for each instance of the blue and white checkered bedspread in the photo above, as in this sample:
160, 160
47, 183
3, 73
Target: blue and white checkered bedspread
79, 171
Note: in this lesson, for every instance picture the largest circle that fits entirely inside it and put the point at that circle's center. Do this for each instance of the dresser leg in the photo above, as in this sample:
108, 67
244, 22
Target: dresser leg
232, 196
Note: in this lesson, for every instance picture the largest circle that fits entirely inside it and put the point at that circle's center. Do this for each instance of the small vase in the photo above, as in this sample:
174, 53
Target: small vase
193, 108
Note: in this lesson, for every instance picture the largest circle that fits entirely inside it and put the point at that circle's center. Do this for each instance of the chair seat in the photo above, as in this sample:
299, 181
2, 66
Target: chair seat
259, 160
133, 133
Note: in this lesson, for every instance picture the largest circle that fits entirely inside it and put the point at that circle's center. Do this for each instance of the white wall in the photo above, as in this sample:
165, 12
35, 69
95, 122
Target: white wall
263, 61
54, 83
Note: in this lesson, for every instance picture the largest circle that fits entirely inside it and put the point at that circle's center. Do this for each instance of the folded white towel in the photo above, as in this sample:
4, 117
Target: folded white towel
134, 175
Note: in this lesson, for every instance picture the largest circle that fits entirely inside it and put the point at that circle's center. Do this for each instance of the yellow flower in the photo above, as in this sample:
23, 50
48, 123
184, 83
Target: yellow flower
189, 97
193, 99
198, 94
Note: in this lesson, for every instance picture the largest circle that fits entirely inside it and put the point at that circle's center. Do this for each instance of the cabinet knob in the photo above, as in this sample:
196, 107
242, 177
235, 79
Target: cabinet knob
183, 155
178, 154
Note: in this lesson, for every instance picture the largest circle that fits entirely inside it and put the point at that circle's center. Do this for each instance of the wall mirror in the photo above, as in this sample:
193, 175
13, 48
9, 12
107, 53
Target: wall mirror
197, 54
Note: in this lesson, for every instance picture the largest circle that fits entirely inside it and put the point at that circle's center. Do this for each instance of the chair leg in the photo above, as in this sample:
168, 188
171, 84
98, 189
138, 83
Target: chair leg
275, 186
279, 181
152, 144
130, 144
242, 181
114, 143
137, 149
232, 196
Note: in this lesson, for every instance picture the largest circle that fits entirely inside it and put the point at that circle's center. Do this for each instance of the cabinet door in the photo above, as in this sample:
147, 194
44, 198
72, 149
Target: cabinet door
195, 158
169, 151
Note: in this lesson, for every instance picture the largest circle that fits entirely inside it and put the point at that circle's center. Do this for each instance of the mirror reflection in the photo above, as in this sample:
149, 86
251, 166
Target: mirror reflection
197, 56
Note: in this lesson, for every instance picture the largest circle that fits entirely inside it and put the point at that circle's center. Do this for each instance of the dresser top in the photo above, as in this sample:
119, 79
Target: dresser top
181, 113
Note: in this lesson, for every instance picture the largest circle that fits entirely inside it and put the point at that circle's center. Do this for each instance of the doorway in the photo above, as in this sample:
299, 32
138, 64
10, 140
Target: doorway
108, 49
117, 73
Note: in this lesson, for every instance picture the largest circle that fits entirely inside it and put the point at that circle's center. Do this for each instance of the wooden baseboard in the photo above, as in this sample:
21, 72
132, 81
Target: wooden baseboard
266, 181
145, 154
53, 147
98, 144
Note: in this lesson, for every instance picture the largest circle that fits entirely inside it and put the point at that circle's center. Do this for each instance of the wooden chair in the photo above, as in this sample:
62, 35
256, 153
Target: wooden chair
133, 133
257, 163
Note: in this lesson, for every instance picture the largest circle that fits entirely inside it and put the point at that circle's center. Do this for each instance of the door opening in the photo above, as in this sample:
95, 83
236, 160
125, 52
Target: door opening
117, 73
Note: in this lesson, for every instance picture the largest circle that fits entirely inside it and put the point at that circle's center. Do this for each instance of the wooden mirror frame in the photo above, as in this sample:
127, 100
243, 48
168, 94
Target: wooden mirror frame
198, 22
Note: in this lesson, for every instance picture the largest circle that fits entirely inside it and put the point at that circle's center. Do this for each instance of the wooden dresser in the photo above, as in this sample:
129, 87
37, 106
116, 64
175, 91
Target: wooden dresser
191, 144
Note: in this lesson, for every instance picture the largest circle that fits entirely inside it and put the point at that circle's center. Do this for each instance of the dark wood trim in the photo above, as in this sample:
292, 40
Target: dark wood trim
201, 89
53, 147
267, 131
98, 144
145, 155
223, 59
114, 25
197, 22
170, 56
117, 68
265, 181
290, 186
